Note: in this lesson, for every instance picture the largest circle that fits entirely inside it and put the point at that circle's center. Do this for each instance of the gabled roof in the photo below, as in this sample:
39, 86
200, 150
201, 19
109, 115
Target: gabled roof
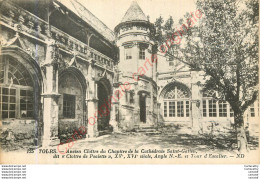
89, 18
134, 13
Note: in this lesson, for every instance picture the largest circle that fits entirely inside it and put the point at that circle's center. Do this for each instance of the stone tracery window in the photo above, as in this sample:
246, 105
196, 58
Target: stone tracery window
176, 102
171, 94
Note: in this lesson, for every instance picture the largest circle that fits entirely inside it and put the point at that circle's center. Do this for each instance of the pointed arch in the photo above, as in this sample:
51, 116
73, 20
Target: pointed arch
72, 87
73, 70
104, 91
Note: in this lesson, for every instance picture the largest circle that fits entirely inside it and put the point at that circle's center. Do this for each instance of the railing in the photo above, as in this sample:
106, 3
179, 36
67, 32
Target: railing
35, 26
24, 20
70, 43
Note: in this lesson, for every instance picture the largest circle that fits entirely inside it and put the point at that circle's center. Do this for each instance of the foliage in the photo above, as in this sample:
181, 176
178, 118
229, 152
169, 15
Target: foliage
223, 44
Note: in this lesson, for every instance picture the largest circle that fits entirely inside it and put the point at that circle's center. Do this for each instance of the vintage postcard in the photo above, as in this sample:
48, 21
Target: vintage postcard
129, 82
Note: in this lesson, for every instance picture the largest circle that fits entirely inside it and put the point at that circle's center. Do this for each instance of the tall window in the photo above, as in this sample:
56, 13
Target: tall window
16, 90
212, 108
252, 110
69, 106
172, 109
204, 105
187, 108
180, 111
215, 108
165, 109
26, 103
222, 108
131, 98
142, 53
128, 53
8, 102
177, 101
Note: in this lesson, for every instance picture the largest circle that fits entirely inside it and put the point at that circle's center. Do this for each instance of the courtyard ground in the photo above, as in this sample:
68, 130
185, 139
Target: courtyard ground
166, 138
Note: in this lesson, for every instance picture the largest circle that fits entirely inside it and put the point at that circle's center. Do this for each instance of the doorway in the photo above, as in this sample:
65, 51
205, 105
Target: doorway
103, 108
142, 103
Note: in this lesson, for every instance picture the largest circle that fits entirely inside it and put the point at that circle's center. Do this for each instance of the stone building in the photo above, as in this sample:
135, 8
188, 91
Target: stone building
54, 75
137, 66
63, 70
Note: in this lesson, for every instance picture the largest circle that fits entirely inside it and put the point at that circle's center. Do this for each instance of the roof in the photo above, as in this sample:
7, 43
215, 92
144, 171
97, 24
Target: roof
89, 18
134, 13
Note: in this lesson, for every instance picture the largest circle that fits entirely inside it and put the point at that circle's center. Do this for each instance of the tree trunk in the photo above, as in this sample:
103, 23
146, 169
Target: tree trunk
240, 133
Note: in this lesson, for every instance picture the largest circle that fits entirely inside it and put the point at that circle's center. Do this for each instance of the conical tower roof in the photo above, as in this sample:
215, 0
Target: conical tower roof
134, 13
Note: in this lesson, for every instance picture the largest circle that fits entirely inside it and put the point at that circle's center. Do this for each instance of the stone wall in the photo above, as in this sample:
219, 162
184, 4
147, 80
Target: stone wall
69, 84
18, 134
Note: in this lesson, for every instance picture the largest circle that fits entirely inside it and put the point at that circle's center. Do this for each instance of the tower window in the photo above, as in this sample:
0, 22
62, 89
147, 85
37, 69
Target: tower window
131, 98
128, 54
142, 53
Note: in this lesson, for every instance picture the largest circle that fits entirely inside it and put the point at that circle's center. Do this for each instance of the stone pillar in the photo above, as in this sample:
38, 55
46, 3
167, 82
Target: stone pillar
148, 103
152, 103
121, 57
50, 97
196, 104
92, 103
136, 105
135, 55
92, 118
158, 114
113, 115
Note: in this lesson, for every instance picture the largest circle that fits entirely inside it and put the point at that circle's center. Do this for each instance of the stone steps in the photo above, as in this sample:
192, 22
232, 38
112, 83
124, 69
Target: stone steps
146, 129
104, 132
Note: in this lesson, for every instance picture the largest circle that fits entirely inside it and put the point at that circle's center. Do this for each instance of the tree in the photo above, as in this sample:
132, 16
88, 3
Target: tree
224, 45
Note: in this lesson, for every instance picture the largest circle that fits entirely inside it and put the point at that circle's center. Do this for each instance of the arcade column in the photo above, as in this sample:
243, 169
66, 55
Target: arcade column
114, 114
92, 103
50, 96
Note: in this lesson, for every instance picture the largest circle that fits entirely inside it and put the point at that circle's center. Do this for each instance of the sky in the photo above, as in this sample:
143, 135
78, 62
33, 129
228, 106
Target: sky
111, 12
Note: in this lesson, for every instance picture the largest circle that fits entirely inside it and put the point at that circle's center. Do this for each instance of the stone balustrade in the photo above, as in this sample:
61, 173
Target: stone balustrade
27, 22
69, 43
23, 20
